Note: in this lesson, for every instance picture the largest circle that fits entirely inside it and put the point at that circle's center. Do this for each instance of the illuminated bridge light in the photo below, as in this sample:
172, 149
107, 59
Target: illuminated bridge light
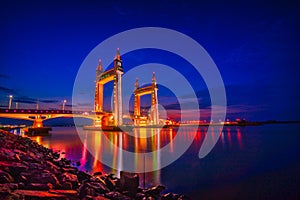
29, 111
15, 111
22, 111
6, 110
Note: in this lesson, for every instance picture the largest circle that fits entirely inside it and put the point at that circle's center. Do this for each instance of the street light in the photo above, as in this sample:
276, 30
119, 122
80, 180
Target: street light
64, 103
10, 101
37, 104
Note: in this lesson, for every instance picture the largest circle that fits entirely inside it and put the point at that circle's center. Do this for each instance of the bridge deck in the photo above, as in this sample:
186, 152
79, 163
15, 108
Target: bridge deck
33, 111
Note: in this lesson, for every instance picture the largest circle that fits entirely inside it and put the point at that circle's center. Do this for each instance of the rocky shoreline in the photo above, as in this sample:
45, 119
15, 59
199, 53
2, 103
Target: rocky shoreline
31, 171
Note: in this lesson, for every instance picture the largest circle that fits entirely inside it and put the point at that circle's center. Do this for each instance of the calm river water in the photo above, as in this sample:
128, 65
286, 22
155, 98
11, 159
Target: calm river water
259, 162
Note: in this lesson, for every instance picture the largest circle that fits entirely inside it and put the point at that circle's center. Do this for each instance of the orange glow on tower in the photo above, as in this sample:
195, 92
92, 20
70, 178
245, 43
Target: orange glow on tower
140, 91
115, 75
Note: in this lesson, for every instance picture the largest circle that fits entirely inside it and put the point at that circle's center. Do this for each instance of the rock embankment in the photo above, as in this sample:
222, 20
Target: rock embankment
31, 171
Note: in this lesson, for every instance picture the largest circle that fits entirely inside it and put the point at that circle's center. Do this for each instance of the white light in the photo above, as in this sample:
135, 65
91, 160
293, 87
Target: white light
63, 106
10, 101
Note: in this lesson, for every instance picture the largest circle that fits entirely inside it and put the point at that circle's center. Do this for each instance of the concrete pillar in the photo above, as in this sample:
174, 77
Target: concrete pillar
119, 102
38, 122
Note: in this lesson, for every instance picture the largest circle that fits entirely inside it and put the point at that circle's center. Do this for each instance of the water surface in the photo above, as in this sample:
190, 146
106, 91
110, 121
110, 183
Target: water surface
247, 162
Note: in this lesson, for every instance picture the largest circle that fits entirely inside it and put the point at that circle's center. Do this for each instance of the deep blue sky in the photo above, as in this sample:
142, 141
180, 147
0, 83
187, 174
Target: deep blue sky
255, 46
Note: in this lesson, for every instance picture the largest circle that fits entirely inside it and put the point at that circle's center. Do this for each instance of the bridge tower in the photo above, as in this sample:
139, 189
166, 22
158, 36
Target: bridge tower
154, 100
99, 89
140, 91
115, 75
137, 104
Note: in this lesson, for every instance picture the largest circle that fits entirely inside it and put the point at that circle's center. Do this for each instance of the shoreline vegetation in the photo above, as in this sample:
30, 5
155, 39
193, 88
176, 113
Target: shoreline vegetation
31, 171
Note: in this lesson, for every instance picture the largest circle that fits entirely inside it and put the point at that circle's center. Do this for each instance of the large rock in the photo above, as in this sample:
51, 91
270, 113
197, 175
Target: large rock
68, 177
83, 176
99, 187
51, 166
5, 177
117, 195
39, 186
140, 196
155, 191
129, 182
38, 177
168, 196
110, 183
72, 170
16, 169
6, 154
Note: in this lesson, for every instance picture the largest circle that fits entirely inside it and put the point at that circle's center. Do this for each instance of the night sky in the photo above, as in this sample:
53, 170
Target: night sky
255, 46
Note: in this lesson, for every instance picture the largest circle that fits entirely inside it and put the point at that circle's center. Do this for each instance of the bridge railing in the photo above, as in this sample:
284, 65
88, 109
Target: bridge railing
33, 111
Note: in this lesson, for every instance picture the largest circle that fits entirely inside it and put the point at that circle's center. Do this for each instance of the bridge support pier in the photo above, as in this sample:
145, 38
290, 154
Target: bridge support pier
38, 122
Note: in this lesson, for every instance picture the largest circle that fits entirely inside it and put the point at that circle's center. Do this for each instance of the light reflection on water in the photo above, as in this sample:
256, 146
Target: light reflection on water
69, 144
246, 163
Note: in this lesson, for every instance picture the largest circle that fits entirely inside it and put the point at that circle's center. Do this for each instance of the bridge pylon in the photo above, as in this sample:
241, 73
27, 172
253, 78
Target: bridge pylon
115, 75
140, 91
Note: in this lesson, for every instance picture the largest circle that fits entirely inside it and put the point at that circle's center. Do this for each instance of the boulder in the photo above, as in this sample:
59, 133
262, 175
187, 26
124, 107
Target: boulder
43, 178
16, 169
38, 186
140, 196
66, 186
168, 196
72, 170
52, 166
155, 191
117, 195
129, 182
99, 187
83, 176
8, 187
5, 177
97, 174
68, 177
110, 183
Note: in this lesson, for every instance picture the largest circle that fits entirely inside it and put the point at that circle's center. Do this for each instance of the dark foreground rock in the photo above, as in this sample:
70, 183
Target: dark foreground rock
31, 171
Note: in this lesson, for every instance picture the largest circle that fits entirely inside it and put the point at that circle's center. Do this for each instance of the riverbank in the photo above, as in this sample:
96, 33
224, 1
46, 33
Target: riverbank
31, 171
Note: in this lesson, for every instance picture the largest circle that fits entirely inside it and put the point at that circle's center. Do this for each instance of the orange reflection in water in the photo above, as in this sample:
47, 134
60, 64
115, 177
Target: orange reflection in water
120, 156
97, 166
229, 136
171, 140
136, 148
239, 138
84, 151
115, 151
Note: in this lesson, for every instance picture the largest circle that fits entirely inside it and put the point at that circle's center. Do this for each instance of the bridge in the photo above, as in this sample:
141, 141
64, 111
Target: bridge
38, 116
99, 116
140, 91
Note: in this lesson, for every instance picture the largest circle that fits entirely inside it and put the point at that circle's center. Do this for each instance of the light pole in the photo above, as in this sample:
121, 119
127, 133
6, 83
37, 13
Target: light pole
37, 104
10, 101
64, 103
17, 105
